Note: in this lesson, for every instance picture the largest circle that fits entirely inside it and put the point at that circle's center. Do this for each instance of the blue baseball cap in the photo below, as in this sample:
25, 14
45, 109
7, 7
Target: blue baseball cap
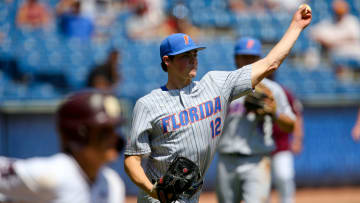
248, 46
176, 44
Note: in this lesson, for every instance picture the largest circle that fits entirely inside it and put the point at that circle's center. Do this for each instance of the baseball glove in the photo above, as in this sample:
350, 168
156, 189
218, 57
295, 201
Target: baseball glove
261, 101
182, 178
255, 101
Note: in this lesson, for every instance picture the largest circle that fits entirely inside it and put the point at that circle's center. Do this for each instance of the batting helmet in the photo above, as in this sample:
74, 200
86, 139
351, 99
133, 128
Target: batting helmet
84, 110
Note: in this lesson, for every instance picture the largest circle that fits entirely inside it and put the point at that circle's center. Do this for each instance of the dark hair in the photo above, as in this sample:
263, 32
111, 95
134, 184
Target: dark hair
163, 65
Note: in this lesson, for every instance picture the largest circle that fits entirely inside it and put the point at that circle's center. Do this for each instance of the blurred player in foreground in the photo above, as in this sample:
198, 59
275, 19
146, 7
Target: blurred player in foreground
287, 144
86, 124
246, 144
185, 118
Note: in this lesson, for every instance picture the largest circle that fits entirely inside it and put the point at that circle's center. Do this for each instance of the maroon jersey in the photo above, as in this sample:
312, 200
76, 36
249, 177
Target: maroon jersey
281, 138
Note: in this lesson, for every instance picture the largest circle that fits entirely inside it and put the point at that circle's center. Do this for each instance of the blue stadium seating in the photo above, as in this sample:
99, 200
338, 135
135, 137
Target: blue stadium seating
353, 63
43, 91
54, 62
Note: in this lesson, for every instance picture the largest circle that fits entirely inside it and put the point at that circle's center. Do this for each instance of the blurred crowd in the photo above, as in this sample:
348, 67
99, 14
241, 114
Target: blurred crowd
334, 40
89, 19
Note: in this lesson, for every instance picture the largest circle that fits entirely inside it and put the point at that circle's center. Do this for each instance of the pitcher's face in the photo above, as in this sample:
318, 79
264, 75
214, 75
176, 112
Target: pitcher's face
185, 64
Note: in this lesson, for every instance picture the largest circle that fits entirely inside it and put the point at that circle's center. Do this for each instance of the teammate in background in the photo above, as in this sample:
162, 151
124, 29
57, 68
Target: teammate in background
282, 159
356, 129
86, 123
243, 171
185, 117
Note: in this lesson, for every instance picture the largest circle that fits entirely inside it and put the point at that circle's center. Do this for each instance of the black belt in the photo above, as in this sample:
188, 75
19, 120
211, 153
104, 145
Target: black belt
237, 155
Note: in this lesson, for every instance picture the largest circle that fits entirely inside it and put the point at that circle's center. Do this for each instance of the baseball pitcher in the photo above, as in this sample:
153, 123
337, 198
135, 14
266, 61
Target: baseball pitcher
176, 128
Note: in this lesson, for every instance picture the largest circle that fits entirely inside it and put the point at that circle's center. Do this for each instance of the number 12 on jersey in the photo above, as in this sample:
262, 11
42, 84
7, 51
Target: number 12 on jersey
215, 127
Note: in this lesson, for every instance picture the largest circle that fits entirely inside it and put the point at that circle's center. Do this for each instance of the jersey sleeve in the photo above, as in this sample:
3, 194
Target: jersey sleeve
233, 84
23, 179
138, 140
282, 103
296, 105
9, 179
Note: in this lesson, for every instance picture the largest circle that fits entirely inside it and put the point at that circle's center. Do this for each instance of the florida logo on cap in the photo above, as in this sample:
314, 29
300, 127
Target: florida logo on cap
186, 38
250, 44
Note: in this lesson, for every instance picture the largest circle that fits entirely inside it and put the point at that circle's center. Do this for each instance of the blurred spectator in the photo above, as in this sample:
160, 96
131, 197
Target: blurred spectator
280, 6
105, 76
33, 14
339, 38
247, 6
146, 20
237, 6
177, 22
10, 66
72, 23
64, 6
103, 13
262, 6
356, 129
99, 10
342, 36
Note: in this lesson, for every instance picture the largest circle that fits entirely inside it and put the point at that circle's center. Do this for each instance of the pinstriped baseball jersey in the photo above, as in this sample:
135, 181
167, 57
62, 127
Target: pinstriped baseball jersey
185, 122
242, 133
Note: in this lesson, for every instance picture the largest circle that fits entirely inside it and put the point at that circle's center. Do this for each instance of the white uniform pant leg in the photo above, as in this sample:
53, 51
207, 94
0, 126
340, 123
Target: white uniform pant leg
257, 182
227, 182
283, 175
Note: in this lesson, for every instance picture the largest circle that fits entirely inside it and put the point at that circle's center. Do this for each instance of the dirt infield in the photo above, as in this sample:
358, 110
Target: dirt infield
306, 195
